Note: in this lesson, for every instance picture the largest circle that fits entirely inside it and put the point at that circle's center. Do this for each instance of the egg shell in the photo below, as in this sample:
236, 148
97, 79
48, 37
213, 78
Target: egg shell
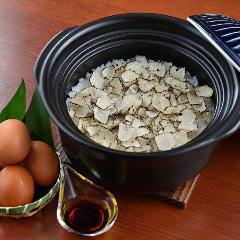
15, 141
16, 186
42, 163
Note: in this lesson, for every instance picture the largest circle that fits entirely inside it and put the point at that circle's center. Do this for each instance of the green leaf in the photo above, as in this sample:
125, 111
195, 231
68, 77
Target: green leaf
38, 121
16, 108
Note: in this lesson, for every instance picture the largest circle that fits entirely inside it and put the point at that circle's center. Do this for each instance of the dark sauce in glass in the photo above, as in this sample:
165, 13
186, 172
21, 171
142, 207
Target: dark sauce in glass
85, 216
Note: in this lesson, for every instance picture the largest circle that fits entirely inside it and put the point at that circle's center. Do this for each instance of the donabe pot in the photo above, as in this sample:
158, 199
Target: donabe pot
74, 52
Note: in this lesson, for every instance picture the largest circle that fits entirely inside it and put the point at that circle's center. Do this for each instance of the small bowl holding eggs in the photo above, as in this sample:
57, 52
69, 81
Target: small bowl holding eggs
29, 170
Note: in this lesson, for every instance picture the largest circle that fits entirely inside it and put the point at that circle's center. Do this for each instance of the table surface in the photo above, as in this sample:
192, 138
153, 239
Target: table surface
213, 211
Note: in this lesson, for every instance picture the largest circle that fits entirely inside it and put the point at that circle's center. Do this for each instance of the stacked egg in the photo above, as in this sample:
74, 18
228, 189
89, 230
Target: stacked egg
24, 164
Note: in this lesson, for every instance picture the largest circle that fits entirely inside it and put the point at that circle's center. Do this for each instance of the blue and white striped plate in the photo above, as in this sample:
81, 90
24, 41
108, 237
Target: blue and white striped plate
223, 32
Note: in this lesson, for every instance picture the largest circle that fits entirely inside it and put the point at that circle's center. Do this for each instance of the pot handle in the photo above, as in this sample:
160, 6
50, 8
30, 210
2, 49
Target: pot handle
234, 122
48, 48
236, 126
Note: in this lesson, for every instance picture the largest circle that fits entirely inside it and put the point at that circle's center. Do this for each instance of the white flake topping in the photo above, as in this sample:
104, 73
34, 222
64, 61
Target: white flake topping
140, 105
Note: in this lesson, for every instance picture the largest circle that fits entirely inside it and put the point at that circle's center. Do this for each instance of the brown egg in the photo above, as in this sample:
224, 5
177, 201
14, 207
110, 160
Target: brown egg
16, 186
14, 141
42, 163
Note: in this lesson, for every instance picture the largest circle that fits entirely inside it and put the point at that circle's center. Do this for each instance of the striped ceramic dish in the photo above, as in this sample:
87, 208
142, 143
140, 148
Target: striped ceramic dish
223, 32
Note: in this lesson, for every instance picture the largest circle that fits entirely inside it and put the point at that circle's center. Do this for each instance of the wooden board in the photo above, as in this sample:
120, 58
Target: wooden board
179, 196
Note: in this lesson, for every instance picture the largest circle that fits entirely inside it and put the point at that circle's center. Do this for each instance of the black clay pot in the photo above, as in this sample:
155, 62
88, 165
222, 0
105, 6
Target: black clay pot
74, 52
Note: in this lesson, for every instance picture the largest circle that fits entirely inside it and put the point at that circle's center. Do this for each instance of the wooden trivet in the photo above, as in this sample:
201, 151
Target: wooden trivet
178, 196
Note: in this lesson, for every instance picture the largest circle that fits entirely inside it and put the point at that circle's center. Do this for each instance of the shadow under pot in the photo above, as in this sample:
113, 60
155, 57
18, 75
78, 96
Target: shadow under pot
76, 51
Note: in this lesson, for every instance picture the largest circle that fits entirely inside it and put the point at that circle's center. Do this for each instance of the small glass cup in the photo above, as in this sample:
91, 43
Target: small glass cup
84, 208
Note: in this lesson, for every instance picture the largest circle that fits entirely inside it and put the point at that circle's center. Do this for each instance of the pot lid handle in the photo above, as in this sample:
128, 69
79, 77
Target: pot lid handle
223, 32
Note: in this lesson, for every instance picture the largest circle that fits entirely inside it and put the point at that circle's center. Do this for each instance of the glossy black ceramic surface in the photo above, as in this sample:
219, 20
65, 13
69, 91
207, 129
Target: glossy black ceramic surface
74, 52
